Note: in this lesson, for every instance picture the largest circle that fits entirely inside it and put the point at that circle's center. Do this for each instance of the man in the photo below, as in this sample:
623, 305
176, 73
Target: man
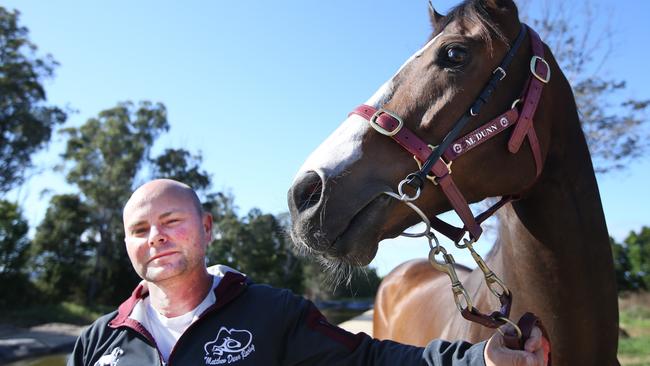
183, 313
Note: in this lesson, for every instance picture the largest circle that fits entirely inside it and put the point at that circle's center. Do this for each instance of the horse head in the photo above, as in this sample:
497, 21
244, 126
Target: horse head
337, 201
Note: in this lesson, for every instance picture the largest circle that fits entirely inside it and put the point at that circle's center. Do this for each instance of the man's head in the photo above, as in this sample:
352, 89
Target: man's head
166, 231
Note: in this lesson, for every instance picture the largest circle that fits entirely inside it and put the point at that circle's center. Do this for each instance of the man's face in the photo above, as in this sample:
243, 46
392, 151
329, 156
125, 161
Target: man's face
165, 235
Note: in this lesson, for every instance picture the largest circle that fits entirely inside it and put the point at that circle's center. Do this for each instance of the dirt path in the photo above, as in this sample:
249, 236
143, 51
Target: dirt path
17, 343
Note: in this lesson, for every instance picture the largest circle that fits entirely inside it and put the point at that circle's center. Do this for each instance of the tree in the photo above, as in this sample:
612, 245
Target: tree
14, 250
104, 156
615, 126
181, 165
363, 283
622, 267
638, 251
61, 249
256, 245
632, 261
26, 122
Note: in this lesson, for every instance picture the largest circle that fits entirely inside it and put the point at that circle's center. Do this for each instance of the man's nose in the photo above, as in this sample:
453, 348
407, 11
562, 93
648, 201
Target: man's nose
156, 236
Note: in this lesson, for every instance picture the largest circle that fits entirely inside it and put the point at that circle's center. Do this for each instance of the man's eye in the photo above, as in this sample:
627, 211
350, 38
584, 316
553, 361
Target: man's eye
456, 55
138, 231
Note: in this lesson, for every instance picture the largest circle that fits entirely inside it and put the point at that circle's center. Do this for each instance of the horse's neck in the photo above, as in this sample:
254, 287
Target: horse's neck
554, 252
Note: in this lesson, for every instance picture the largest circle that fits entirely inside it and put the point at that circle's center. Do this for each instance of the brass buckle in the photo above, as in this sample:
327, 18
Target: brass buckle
381, 130
533, 65
431, 176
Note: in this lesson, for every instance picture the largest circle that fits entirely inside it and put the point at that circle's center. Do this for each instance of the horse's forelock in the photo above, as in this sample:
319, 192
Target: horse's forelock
473, 12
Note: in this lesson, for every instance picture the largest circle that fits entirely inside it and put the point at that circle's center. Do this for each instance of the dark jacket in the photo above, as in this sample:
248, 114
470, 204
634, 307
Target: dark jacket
252, 324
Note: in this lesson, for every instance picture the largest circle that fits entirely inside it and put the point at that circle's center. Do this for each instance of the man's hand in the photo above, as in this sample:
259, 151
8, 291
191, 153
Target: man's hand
535, 351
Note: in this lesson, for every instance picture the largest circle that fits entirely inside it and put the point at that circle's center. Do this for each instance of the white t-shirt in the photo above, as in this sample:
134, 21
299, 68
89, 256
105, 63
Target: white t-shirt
166, 331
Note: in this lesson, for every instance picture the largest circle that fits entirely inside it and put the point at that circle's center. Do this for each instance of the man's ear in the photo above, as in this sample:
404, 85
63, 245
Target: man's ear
207, 225
436, 18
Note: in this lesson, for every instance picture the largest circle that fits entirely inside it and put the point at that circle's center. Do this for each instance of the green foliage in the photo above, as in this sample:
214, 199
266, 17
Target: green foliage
320, 284
622, 267
107, 152
61, 249
14, 253
362, 284
26, 123
64, 312
632, 261
14, 244
256, 245
104, 156
638, 249
180, 165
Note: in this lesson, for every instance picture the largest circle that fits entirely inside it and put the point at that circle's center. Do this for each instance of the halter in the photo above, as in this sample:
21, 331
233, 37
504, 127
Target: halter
435, 164
435, 161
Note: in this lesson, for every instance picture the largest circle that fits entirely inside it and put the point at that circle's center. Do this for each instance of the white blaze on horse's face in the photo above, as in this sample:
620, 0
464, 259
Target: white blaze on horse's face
343, 147
338, 151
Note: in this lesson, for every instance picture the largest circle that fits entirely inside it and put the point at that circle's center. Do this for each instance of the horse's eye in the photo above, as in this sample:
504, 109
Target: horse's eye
456, 55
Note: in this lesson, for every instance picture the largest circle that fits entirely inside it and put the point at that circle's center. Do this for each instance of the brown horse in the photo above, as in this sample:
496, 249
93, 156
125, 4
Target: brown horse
553, 249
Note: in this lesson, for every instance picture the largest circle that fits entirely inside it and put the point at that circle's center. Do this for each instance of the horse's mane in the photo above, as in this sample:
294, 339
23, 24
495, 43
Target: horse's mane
473, 12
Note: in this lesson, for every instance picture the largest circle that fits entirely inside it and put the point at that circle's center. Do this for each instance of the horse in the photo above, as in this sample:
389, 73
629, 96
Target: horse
552, 252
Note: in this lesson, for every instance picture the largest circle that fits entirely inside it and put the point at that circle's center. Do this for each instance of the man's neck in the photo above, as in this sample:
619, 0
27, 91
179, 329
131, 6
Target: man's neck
178, 296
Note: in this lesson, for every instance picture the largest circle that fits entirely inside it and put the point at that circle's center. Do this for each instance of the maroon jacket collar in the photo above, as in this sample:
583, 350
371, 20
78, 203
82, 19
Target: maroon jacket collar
231, 285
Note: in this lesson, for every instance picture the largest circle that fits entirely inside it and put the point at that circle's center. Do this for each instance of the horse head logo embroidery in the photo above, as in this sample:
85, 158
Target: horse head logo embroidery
228, 341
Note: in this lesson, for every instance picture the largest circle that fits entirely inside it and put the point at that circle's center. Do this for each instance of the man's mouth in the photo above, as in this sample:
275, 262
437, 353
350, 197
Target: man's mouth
161, 255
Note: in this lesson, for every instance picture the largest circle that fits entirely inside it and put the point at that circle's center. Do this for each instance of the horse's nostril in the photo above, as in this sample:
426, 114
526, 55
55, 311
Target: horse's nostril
307, 191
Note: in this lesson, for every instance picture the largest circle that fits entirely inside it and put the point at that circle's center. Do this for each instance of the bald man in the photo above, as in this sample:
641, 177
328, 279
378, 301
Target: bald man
183, 313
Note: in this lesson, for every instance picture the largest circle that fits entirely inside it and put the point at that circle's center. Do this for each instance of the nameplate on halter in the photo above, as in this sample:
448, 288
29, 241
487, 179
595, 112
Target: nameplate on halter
481, 134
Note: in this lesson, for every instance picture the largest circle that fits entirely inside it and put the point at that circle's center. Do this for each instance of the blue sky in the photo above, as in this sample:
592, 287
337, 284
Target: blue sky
256, 86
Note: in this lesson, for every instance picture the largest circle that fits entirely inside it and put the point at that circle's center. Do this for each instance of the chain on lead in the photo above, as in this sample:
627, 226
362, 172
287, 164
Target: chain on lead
431, 237
448, 267
491, 279
448, 264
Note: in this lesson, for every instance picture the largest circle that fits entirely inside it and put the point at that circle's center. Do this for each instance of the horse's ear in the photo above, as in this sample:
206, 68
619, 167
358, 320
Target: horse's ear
505, 14
436, 18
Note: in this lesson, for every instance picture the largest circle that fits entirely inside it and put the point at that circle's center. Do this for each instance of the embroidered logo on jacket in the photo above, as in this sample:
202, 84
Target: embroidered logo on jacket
230, 346
110, 359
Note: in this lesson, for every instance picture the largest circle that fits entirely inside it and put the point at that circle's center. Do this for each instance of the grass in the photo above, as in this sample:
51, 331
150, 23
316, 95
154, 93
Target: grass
635, 321
53, 313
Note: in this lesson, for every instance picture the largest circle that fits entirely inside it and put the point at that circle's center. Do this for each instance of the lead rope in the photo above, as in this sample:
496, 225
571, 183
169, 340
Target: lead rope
462, 299
464, 303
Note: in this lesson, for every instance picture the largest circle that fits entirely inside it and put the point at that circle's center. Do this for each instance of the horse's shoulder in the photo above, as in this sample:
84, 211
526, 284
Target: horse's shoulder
411, 270
419, 269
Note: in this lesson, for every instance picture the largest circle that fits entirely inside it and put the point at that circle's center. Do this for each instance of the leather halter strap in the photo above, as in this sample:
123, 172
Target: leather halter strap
390, 124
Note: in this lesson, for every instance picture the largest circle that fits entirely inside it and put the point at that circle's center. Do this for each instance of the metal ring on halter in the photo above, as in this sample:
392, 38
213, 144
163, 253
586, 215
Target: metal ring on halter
466, 243
514, 104
417, 210
403, 196
520, 335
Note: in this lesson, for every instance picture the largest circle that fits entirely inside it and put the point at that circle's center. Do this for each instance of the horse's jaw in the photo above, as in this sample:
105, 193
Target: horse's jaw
348, 236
